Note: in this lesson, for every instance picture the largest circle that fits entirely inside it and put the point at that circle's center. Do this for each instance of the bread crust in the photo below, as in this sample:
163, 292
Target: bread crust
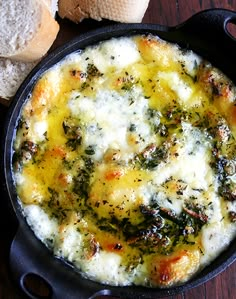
71, 10
127, 11
42, 40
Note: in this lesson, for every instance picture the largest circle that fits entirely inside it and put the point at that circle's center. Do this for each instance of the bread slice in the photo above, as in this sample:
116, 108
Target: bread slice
127, 11
52, 6
12, 74
27, 29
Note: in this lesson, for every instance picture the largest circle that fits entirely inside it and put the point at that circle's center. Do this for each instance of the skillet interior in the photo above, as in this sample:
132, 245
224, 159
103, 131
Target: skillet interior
203, 33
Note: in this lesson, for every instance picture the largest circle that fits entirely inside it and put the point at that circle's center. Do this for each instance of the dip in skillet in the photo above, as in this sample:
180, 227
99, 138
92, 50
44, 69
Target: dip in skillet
125, 162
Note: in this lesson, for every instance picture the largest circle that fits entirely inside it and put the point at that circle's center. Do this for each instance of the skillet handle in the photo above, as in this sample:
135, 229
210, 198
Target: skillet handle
28, 258
211, 20
22, 263
207, 34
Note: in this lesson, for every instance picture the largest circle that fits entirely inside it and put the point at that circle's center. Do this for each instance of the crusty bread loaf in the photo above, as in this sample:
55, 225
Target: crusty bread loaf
27, 29
13, 71
127, 11
12, 74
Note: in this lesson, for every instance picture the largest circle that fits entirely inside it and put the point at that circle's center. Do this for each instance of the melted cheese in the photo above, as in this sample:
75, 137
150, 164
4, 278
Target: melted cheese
125, 162
112, 112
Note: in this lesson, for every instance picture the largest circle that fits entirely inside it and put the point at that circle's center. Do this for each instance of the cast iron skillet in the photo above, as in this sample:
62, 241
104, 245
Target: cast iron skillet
206, 33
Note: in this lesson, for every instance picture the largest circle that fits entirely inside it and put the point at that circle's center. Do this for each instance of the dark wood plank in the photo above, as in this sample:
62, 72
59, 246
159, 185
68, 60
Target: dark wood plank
224, 285
188, 8
213, 288
179, 296
162, 12
196, 293
228, 278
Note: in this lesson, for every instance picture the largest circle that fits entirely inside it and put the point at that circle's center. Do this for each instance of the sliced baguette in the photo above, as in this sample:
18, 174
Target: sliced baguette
12, 74
127, 11
27, 29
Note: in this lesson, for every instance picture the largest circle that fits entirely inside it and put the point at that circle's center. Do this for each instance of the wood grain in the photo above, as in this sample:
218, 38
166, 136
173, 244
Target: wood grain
170, 13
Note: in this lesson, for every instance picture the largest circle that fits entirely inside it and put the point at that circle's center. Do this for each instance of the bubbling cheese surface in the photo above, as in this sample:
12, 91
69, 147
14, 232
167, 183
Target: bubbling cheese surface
125, 163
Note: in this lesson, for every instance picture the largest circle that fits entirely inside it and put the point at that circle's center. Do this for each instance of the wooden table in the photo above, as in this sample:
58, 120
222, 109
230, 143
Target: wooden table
164, 12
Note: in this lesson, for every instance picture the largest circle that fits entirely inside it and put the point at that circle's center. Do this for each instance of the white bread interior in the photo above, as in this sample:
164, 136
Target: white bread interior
126, 11
27, 29
12, 74
13, 71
